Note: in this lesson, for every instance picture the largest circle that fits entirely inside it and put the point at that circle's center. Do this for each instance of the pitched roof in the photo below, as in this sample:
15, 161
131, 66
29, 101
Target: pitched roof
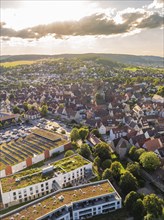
152, 145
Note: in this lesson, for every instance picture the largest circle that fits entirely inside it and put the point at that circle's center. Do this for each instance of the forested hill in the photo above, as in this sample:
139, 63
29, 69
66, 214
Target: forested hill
154, 61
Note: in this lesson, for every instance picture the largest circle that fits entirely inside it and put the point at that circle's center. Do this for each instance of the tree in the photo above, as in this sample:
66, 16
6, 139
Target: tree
16, 110
134, 168
68, 153
107, 174
138, 210
25, 106
116, 169
102, 150
96, 133
161, 91
85, 151
153, 204
138, 153
44, 110
135, 153
63, 132
128, 182
6, 123
149, 160
97, 162
149, 217
132, 152
106, 164
130, 200
74, 134
83, 132
99, 99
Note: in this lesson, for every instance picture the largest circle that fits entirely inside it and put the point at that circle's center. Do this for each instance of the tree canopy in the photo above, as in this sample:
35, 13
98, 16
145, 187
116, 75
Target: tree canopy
107, 174
68, 153
83, 132
134, 168
102, 150
153, 204
149, 160
128, 182
85, 151
116, 169
74, 134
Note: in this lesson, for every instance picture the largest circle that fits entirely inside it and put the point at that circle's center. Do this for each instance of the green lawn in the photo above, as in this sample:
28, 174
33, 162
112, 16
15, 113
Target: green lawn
133, 69
17, 63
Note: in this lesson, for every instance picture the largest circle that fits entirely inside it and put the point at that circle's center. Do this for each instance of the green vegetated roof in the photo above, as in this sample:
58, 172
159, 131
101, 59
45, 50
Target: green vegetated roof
68, 196
34, 176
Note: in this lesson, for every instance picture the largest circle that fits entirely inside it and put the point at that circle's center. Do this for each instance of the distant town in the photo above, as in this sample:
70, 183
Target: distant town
81, 137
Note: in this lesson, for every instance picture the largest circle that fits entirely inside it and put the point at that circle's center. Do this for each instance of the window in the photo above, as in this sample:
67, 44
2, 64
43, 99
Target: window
15, 197
37, 191
14, 193
20, 196
19, 192
31, 189
42, 185
47, 188
47, 184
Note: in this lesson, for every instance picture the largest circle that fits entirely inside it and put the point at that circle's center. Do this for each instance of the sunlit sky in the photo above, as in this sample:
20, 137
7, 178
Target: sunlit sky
91, 26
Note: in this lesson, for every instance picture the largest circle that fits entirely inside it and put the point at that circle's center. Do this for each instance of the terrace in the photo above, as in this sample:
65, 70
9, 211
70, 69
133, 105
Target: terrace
62, 198
33, 176
17, 151
71, 163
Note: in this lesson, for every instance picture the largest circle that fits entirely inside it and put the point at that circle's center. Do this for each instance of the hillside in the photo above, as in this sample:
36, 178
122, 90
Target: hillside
153, 61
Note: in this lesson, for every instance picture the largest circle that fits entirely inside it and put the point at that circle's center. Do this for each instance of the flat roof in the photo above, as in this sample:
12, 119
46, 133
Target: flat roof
19, 150
34, 176
47, 134
71, 195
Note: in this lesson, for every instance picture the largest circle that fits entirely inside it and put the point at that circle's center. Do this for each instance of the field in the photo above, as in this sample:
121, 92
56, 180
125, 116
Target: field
133, 69
17, 63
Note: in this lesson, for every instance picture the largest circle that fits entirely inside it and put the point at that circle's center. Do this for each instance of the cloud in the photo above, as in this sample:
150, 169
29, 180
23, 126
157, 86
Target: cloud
153, 21
96, 25
156, 4
6, 4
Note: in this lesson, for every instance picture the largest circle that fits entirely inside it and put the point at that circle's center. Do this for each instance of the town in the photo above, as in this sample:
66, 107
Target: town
81, 137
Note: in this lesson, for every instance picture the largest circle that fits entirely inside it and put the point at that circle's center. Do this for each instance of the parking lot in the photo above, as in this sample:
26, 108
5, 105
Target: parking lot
15, 132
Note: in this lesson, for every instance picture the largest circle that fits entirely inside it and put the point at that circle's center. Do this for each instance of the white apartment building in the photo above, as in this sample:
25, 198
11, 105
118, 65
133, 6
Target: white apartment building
23, 186
75, 203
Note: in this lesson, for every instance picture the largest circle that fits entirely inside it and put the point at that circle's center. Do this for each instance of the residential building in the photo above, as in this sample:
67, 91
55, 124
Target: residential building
33, 183
75, 203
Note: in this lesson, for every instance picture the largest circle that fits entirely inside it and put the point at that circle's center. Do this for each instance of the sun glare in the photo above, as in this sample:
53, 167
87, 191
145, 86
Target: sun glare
43, 12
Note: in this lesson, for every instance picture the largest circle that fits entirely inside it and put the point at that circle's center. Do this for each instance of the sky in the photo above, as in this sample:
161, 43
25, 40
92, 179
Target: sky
90, 26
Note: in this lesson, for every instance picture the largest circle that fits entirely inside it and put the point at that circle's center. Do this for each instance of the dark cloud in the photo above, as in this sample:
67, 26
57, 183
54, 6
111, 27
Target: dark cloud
2, 24
96, 24
153, 21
